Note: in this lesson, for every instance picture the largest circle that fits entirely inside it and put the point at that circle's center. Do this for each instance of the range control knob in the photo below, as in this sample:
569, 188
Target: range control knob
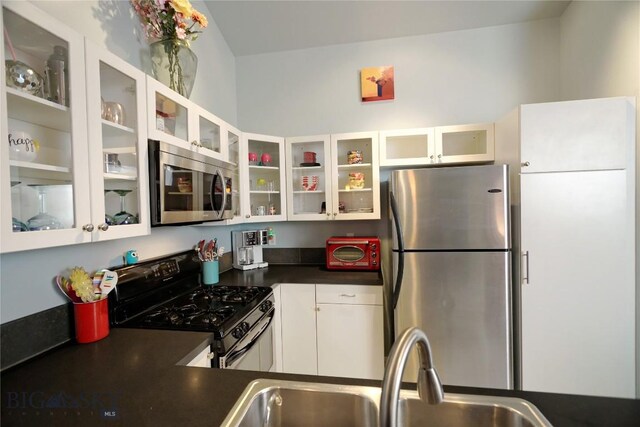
237, 332
374, 246
265, 306
245, 327
374, 255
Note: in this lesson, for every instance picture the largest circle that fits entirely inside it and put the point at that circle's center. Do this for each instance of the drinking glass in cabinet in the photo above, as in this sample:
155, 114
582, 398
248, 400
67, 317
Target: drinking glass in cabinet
43, 221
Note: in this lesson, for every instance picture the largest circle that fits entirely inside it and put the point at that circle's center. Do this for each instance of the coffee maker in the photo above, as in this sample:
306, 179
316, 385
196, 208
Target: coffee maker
247, 249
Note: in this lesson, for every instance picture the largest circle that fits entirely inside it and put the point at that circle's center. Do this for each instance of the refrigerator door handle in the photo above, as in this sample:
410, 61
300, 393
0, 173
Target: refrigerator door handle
525, 278
396, 222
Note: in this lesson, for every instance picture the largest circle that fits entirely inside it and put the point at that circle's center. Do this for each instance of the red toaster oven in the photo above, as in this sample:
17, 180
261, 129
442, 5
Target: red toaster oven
353, 253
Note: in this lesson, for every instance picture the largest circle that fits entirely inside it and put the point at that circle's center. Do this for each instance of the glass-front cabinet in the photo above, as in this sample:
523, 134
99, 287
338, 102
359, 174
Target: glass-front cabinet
263, 167
44, 185
234, 146
443, 145
465, 143
355, 176
309, 178
181, 122
117, 146
407, 147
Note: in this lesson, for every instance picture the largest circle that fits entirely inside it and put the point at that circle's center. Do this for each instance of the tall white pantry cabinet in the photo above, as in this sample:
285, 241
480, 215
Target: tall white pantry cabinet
573, 193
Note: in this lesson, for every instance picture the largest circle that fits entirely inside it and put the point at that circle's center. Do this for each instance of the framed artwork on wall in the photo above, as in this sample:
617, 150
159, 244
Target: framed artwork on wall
376, 83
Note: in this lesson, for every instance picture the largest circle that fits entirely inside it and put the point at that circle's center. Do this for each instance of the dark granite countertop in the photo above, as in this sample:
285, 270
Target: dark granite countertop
133, 376
310, 274
137, 376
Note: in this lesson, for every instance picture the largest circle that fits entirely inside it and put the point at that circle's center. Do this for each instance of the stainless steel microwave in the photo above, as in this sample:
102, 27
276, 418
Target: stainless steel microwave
188, 187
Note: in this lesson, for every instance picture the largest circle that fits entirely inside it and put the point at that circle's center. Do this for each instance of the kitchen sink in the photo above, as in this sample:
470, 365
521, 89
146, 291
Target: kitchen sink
273, 403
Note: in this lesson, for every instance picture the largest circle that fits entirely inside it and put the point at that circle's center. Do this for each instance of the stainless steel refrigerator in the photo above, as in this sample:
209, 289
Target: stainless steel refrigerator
452, 270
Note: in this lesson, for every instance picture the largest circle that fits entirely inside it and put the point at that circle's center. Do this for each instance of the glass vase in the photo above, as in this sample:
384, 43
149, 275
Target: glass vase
174, 64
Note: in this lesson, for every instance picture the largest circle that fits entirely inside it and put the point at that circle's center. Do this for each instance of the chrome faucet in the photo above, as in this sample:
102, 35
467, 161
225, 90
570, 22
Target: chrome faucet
429, 385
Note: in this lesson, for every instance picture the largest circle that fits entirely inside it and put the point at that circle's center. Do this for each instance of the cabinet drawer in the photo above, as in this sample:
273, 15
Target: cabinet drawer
348, 294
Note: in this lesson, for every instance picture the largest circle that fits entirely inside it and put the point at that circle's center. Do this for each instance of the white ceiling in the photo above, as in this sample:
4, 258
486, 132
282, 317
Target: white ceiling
253, 27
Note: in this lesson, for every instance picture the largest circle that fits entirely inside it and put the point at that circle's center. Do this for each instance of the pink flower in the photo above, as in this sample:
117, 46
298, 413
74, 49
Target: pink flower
181, 33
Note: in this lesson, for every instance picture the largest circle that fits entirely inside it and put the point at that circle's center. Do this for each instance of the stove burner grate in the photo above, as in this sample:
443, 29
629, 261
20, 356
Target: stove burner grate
211, 317
206, 296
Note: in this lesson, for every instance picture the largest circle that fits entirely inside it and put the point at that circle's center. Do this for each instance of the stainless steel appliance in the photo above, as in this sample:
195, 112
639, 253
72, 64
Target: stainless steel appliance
353, 253
188, 187
452, 269
165, 293
247, 249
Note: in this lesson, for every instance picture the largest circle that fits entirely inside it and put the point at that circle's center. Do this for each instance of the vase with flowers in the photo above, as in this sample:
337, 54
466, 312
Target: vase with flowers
171, 25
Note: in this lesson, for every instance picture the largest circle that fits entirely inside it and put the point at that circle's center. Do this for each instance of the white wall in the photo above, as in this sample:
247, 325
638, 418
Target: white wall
447, 78
599, 49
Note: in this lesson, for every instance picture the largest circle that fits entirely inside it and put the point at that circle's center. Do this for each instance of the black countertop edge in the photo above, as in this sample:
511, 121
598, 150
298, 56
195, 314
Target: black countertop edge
137, 377
299, 273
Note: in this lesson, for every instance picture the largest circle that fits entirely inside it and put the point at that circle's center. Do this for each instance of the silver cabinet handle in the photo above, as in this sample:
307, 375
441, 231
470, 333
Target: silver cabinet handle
329, 214
439, 156
211, 355
525, 278
194, 143
247, 216
334, 214
348, 295
103, 227
525, 164
88, 227
431, 157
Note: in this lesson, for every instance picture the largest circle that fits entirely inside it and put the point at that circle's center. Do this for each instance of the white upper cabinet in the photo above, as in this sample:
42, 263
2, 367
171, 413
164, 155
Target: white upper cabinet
355, 176
309, 195
262, 169
443, 145
116, 109
183, 123
232, 138
407, 147
591, 134
465, 143
44, 181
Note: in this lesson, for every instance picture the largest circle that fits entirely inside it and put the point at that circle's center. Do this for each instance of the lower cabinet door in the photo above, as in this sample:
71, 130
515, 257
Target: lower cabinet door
350, 340
298, 328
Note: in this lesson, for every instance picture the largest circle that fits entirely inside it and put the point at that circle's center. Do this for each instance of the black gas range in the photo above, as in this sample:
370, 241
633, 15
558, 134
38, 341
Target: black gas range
166, 293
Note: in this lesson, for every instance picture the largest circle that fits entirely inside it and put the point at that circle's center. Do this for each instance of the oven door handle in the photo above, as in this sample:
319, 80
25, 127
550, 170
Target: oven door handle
224, 193
212, 193
238, 352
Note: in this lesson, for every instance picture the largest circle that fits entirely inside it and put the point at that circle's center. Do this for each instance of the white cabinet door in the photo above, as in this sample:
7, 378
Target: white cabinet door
355, 179
407, 147
350, 340
264, 176
231, 137
465, 143
277, 329
578, 333
202, 360
117, 146
594, 134
168, 116
299, 354
309, 178
44, 177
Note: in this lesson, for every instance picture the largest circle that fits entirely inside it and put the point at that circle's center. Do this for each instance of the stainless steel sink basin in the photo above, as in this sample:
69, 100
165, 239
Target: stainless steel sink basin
273, 403
469, 410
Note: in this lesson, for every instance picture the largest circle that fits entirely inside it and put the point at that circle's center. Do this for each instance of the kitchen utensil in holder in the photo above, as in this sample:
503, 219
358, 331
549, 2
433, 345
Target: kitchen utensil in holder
91, 320
210, 272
